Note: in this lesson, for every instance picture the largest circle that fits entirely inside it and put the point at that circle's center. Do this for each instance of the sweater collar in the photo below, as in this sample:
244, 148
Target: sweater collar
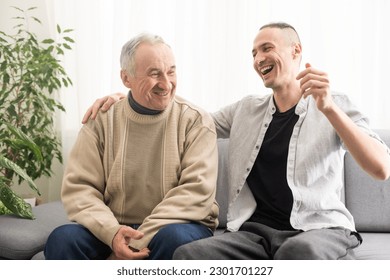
139, 108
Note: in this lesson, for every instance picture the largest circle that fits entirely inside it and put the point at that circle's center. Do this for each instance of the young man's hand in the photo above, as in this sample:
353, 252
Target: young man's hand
103, 104
316, 83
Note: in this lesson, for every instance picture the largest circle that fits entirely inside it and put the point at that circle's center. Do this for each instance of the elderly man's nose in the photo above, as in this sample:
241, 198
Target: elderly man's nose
164, 83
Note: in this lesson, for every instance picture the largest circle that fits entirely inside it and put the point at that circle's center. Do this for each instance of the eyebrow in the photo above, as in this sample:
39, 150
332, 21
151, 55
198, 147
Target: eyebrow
261, 46
173, 67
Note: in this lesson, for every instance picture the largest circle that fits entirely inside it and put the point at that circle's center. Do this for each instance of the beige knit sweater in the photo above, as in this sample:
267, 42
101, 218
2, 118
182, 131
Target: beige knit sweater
126, 168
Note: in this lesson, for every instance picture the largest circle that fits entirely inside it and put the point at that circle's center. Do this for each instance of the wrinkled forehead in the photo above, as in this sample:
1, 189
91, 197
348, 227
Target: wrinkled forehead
154, 54
161, 50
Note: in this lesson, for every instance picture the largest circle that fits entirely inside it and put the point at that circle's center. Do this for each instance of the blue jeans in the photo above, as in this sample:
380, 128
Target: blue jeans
75, 242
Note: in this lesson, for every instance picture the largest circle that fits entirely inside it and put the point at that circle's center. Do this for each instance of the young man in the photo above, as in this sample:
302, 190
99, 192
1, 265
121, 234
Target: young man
140, 180
286, 153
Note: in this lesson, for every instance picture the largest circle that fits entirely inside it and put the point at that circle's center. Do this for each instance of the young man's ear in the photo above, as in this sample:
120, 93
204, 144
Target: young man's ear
126, 79
297, 50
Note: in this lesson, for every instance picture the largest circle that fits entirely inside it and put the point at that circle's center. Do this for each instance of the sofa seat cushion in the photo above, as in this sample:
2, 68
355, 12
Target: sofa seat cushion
375, 246
23, 238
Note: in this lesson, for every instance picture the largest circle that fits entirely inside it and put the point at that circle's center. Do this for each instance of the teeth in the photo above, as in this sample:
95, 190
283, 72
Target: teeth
265, 69
162, 93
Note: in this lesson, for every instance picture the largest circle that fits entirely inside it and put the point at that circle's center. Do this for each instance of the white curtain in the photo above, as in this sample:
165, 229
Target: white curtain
212, 42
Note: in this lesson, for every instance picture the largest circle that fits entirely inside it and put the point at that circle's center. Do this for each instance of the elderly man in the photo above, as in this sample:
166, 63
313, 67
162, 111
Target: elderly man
140, 180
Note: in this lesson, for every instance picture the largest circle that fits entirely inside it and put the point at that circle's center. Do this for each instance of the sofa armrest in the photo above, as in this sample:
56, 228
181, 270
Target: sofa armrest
366, 198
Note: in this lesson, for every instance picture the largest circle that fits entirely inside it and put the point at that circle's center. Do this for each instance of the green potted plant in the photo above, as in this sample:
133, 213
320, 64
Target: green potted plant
30, 75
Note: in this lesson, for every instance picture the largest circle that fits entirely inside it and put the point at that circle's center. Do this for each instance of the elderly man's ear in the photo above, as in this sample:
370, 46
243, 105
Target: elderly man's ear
126, 78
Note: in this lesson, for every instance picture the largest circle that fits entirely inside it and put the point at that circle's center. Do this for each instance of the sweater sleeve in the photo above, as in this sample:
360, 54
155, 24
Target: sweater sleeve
193, 199
83, 187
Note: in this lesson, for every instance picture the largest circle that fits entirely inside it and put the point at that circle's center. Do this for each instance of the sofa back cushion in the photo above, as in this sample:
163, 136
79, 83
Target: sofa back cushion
222, 182
366, 198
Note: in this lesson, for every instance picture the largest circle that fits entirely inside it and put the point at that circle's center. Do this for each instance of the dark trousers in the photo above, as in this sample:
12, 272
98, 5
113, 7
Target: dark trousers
259, 242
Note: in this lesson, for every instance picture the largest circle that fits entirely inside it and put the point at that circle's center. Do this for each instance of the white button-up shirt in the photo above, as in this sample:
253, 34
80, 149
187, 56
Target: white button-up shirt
315, 160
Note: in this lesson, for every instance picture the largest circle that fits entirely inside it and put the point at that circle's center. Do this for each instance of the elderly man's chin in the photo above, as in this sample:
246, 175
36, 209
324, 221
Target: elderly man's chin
162, 102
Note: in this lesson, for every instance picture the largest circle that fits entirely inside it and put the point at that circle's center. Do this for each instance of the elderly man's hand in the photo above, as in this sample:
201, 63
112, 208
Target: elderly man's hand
121, 250
103, 104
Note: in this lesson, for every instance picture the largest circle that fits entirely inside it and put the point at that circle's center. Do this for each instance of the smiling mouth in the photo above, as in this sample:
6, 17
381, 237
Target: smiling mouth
265, 70
161, 93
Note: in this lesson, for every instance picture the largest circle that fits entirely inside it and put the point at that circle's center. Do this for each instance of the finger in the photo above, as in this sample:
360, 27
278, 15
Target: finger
127, 253
315, 92
103, 104
137, 235
87, 115
119, 96
93, 110
310, 70
142, 254
313, 84
304, 72
313, 79
107, 104
132, 233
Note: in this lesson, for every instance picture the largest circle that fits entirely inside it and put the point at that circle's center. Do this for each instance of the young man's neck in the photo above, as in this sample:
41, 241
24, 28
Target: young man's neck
287, 98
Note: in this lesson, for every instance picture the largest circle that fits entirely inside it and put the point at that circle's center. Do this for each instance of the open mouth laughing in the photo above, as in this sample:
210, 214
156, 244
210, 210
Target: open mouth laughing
266, 69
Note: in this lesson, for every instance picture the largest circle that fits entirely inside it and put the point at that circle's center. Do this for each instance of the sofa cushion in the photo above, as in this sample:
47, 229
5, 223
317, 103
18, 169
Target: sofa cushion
366, 198
222, 182
22, 238
375, 246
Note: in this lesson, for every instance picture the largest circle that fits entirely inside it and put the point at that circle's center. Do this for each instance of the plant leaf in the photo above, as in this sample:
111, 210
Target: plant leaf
26, 140
4, 210
69, 39
37, 20
19, 9
48, 41
6, 163
15, 203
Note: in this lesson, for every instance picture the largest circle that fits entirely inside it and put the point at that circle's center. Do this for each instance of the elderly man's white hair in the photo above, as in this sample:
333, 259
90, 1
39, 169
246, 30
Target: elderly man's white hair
127, 58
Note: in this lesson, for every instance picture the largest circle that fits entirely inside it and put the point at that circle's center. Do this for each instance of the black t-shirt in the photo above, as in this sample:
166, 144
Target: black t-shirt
267, 179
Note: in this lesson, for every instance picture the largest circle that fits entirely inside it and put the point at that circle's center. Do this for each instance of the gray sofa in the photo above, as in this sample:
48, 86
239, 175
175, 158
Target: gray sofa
367, 199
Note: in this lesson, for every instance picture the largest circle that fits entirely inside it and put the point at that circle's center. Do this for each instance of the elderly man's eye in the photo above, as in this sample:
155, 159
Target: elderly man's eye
154, 74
